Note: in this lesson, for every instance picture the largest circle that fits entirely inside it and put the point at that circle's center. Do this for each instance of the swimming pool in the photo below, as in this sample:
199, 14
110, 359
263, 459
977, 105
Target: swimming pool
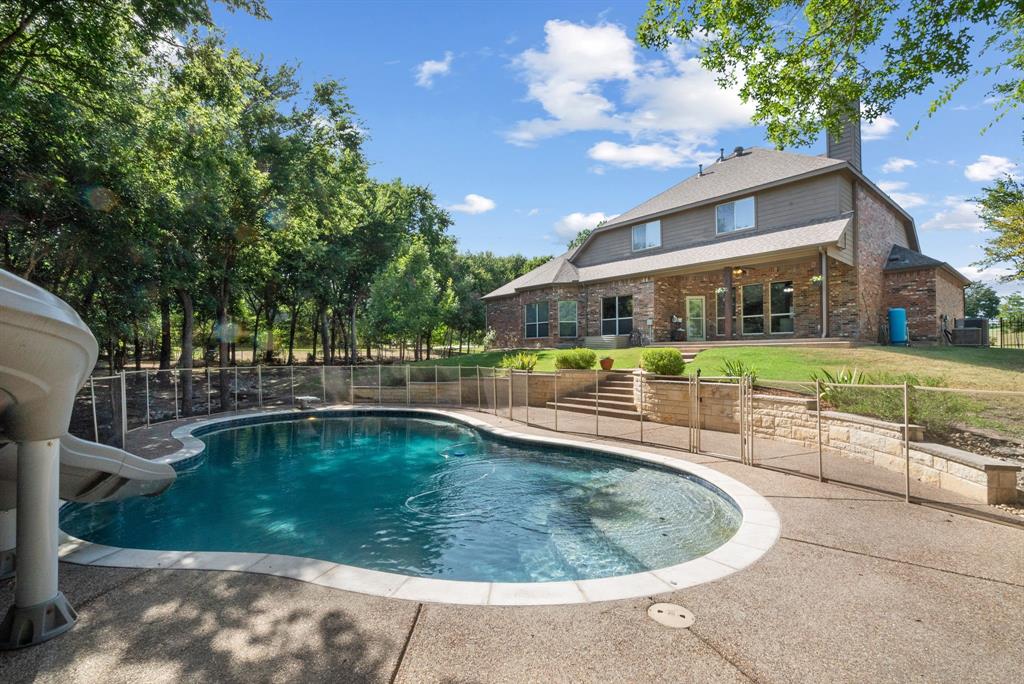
424, 495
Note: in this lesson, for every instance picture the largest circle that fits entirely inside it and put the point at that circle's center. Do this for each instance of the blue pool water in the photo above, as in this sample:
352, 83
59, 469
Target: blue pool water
420, 496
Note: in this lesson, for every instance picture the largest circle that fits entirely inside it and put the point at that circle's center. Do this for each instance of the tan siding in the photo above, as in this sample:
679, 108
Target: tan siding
845, 193
789, 205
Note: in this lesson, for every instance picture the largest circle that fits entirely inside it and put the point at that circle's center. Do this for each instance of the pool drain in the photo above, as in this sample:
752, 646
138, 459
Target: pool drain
670, 615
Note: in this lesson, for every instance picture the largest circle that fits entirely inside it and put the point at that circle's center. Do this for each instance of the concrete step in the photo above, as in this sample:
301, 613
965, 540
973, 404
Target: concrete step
577, 407
605, 400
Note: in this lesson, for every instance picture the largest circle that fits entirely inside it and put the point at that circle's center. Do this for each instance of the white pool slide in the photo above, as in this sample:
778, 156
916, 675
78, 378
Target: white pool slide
46, 356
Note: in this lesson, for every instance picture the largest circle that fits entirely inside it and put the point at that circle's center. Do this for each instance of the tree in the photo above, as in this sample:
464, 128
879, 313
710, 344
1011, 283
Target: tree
980, 301
1012, 306
580, 238
1002, 211
804, 64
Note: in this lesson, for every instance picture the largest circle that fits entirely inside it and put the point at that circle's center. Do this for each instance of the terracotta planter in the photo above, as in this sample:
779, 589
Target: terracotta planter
606, 363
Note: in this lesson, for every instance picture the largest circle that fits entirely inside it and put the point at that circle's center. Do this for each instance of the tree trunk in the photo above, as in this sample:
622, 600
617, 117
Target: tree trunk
185, 360
291, 334
255, 336
271, 315
352, 341
324, 338
165, 332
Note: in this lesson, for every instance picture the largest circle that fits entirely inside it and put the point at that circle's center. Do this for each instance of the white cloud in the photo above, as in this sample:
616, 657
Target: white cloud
880, 128
533, 212
991, 276
959, 214
571, 224
897, 164
432, 68
474, 204
907, 200
591, 78
990, 167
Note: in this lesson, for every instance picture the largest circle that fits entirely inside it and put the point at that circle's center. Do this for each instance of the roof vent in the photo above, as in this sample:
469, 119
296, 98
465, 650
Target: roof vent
700, 169
721, 154
738, 151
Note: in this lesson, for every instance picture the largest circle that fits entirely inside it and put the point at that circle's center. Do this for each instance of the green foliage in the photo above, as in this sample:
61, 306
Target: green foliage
980, 301
738, 368
575, 359
803, 64
939, 412
1002, 211
1012, 306
580, 238
519, 361
663, 361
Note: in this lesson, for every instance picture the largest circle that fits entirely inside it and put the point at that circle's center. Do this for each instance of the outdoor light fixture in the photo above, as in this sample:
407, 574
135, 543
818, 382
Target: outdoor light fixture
738, 271
788, 289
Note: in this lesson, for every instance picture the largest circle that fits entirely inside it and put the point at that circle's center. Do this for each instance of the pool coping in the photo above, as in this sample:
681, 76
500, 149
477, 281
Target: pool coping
758, 532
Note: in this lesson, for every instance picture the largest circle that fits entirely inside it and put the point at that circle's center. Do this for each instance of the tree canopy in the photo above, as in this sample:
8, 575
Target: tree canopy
804, 63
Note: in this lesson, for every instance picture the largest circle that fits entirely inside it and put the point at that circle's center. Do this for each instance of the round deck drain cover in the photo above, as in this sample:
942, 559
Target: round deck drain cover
670, 615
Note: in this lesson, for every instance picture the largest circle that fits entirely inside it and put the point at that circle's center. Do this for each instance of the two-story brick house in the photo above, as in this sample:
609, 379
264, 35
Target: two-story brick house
762, 244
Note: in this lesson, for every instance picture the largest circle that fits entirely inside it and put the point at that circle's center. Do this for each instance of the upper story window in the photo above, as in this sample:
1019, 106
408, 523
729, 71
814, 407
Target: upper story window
732, 216
647, 236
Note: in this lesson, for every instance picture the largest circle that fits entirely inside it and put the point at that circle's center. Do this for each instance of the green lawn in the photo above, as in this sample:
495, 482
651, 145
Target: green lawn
969, 368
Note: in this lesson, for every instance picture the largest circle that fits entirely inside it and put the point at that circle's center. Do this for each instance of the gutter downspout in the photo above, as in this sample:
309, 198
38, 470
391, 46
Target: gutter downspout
824, 293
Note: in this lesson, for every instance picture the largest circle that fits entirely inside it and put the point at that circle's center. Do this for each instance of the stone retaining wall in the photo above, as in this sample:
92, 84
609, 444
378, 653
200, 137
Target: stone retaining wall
979, 478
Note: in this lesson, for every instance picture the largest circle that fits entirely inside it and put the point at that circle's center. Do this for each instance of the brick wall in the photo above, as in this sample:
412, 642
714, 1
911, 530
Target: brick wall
671, 293
506, 317
915, 292
949, 298
878, 228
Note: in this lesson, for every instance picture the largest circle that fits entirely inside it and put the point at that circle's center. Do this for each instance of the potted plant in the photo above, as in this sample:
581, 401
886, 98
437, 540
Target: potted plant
606, 363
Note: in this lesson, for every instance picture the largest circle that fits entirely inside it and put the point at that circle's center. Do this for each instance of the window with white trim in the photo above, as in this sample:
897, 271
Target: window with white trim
780, 304
733, 216
647, 236
753, 309
536, 320
567, 319
617, 315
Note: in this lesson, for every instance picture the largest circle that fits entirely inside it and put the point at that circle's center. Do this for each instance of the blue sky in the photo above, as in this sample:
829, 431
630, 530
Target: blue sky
529, 120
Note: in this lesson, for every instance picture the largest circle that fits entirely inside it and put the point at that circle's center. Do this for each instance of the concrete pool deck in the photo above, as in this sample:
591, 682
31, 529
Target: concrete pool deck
859, 587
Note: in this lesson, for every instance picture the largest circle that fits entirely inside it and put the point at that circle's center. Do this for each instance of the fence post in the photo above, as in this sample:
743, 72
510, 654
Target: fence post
556, 400
478, 400
696, 419
906, 435
95, 423
124, 411
352, 385
436, 400
597, 403
641, 376
323, 382
527, 395
209, 392
259, 383
494, 391
511, 374
741, 405
408, 390
236, 388
817, 411
380, 390
291, 382
174, 378
145, 375
459, 368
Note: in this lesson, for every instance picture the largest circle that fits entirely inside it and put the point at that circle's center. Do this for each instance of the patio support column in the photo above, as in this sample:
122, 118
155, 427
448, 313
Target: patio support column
823, 272
730, 305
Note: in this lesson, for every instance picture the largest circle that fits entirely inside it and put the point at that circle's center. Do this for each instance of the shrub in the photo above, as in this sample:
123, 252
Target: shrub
738, 368
518, 361
576, 359
937, 412
662, 361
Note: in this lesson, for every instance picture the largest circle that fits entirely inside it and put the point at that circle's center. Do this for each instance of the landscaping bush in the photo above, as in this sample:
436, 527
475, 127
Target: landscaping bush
738, 368
937, 412
518, 361
662, 361
575, 359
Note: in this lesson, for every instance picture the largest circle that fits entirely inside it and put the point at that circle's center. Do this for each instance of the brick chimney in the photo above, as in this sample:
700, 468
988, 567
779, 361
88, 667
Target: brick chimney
846, 146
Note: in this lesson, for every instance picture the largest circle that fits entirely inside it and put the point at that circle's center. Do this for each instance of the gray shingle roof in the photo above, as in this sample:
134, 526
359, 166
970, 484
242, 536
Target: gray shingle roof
903, 259
560, 270
756, 166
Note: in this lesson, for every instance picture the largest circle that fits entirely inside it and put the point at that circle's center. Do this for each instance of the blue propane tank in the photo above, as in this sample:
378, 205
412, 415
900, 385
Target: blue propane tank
898, 327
